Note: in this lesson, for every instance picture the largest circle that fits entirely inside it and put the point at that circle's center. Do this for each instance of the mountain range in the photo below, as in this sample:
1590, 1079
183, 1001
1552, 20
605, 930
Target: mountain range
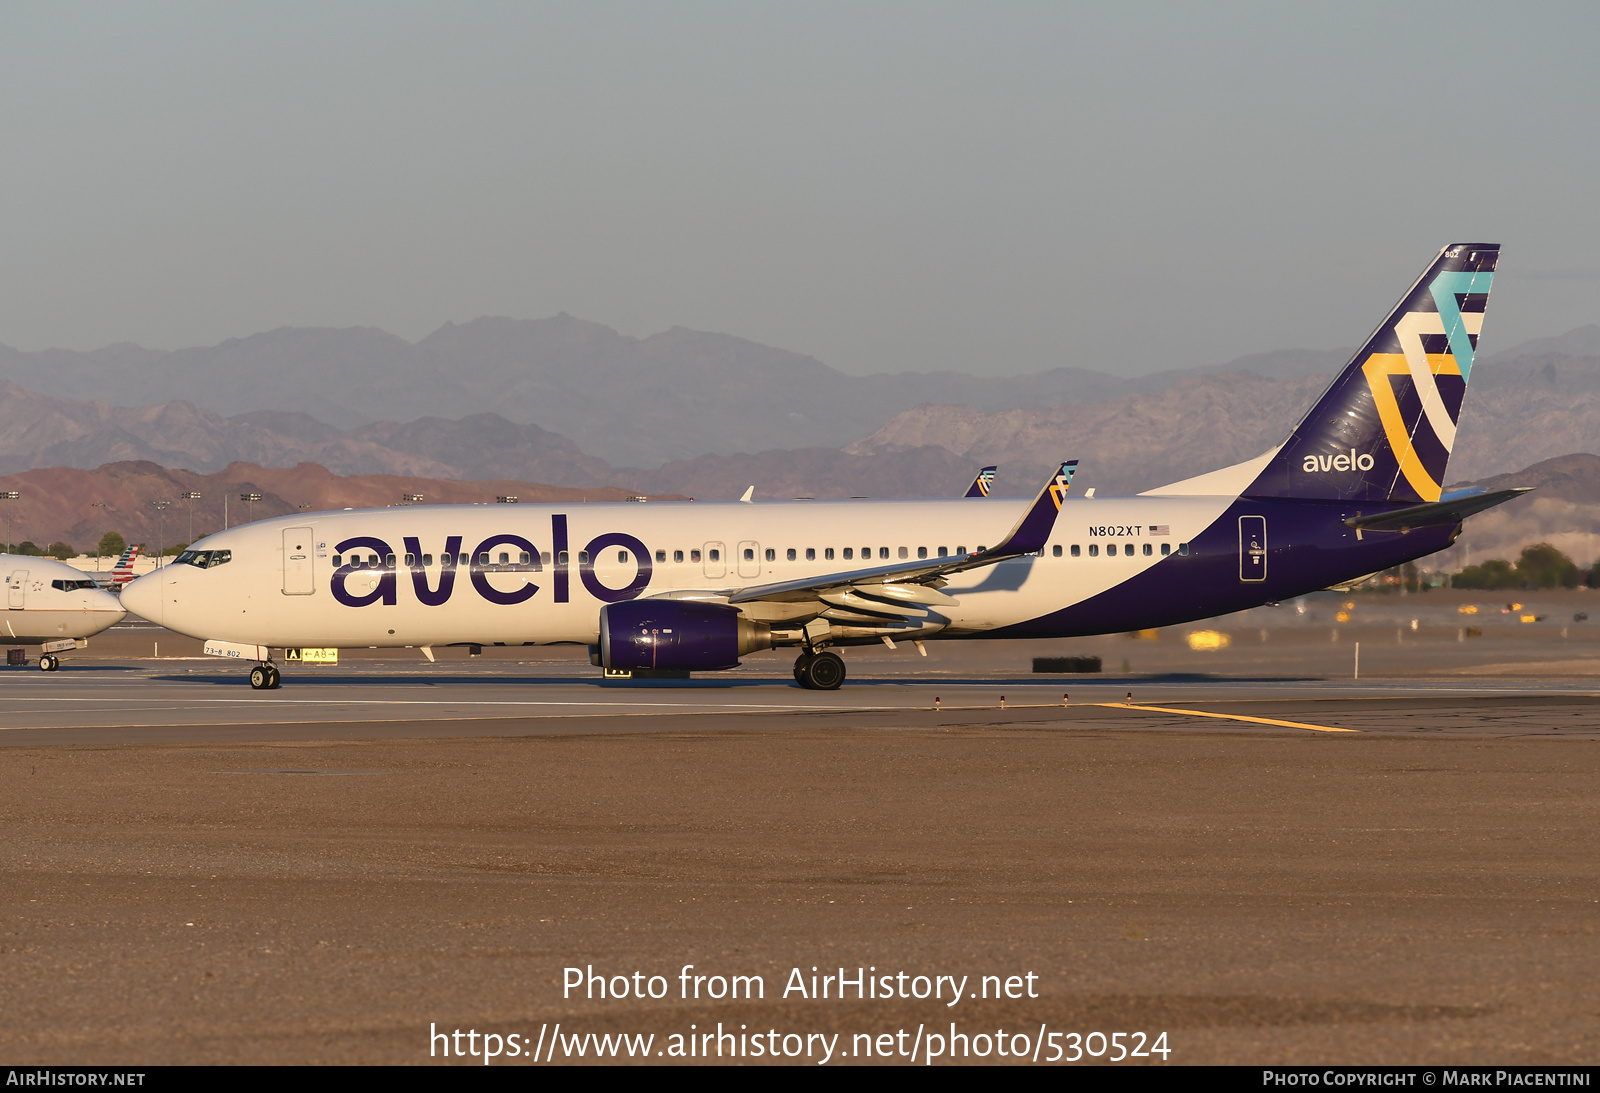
632, 401
684, 391
56, 502
1563, 510
1517, 413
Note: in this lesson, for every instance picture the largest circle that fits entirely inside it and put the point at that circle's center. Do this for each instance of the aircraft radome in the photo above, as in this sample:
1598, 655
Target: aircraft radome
692, 586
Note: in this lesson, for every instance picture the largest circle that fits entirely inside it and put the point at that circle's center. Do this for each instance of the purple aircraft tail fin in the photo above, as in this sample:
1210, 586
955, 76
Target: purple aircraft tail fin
1384, 429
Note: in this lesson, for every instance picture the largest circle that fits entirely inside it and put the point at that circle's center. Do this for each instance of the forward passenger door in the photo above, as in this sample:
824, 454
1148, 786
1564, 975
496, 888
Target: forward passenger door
298, 577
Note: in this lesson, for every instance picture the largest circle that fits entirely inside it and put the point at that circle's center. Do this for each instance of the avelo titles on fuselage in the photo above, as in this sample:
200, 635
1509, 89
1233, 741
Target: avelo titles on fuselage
1355, 488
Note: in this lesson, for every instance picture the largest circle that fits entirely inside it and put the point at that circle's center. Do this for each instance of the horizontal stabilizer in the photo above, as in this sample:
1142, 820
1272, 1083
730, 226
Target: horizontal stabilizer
1452, 509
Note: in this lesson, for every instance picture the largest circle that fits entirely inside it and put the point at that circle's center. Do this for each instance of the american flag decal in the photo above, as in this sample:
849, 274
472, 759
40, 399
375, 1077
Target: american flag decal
1160, 529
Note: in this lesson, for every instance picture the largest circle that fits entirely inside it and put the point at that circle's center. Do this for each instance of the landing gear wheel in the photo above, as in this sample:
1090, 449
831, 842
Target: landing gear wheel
802, 669
48, 663
825, 672
274, 678
260, 677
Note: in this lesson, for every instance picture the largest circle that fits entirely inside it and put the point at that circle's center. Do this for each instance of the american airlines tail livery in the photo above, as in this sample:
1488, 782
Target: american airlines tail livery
693, 586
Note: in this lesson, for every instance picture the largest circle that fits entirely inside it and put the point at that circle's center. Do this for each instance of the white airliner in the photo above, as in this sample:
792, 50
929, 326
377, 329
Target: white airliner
51, 604
692, 586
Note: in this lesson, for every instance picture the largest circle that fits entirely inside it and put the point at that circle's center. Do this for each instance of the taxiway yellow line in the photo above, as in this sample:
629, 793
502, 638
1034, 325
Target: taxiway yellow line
1222, 716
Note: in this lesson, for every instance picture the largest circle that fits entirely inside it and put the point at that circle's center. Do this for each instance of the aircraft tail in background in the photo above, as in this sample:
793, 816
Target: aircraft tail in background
122, 572
982, 484
1384, 429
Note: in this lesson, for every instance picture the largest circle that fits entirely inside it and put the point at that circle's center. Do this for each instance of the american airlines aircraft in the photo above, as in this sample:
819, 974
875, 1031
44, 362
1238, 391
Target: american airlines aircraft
122, 572
53, 605
692, 586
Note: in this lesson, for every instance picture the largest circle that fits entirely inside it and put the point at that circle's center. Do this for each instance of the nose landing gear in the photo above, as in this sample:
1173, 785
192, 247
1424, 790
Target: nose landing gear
265, 677
48, 661
819, 671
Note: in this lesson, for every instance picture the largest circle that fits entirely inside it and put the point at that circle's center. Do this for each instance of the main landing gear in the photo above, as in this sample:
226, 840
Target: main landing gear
265, 677
819, 671
49, 663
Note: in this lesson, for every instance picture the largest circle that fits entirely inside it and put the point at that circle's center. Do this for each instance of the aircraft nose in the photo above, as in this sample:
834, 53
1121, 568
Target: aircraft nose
104, 603
142, 596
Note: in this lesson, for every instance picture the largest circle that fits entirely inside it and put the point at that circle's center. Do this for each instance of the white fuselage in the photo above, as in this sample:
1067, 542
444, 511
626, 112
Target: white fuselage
42, 605
280, 586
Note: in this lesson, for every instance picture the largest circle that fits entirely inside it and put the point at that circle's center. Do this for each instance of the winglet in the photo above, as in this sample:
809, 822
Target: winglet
748, 495
982, 484
1033, 530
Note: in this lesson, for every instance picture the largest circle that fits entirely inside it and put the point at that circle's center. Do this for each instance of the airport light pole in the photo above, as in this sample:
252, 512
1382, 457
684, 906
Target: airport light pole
191, 496
101, 505
250, 499
8, 496
161, 517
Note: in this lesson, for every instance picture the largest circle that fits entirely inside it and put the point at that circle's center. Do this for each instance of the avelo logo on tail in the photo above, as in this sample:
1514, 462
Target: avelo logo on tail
1341, 462
1384, 429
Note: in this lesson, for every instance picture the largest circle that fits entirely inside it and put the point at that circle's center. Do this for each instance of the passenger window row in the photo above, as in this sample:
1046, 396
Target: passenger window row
208, 558
1128, 550
793, 554
446, 561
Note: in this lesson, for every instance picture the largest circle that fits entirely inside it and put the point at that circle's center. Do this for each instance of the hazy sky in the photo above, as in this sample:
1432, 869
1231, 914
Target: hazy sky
990, 188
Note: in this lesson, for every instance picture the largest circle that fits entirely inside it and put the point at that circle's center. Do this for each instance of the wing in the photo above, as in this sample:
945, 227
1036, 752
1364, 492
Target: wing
883, 600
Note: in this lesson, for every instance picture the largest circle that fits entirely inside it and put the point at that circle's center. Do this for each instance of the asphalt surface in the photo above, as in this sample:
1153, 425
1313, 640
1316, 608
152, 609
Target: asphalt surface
195, 872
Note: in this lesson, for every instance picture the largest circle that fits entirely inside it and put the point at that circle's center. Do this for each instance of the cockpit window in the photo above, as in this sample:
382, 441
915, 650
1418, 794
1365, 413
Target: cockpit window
71, 586
204, 559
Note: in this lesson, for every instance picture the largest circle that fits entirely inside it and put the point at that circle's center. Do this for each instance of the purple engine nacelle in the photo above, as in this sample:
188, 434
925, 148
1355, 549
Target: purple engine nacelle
677, 635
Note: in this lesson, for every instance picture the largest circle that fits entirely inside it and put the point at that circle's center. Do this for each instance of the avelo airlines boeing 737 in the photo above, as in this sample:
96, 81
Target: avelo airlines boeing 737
1355, 488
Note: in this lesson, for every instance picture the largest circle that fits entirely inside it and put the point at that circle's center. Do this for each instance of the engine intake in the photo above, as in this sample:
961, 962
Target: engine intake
678, 635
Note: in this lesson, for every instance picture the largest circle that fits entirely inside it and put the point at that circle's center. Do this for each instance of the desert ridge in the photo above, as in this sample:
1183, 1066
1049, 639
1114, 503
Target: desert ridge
56, 503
